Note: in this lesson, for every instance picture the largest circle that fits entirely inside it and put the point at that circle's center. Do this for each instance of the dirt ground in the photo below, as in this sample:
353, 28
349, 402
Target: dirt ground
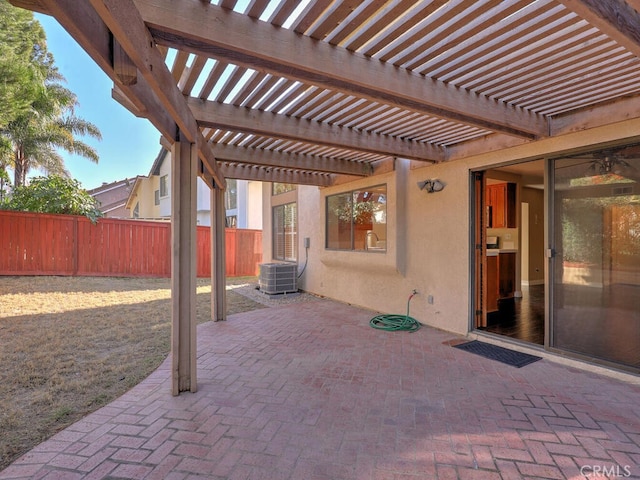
69, 345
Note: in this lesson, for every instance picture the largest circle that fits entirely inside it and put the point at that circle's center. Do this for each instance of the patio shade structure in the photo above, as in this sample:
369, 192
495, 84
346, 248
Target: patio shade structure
313, 92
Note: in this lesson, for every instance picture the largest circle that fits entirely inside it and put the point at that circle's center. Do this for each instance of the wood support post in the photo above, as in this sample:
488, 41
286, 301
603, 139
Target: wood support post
184, 169
218, 259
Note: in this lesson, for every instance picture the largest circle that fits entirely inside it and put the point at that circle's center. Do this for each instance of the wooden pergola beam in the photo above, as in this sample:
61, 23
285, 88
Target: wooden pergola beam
265, 167
266, 174
125, 23
240, 119
123, 67
83, 23
186, 25
270, 158
586, 119
615, 18
596, 116
33, 5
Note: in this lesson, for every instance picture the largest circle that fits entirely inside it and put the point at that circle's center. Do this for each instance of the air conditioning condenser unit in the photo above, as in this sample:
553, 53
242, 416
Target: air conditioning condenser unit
278, 278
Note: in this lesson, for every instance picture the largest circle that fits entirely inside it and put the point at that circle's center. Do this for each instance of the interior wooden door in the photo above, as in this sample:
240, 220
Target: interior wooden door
480, 251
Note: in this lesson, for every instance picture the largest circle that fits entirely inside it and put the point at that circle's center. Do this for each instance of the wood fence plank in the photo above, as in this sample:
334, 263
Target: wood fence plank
204, 252
5, 242
231, 237
45, 244
136, 237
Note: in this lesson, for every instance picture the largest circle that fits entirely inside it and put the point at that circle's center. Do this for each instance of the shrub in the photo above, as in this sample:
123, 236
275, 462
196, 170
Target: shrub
53, 194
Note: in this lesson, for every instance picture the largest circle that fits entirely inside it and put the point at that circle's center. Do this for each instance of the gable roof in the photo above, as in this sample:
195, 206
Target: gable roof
157, 163
112, 196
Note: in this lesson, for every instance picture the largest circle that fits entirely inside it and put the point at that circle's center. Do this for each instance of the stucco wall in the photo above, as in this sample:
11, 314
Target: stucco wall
427, 248
203, 200
148, 208
165, 202
428, 234
254, 205
144, 195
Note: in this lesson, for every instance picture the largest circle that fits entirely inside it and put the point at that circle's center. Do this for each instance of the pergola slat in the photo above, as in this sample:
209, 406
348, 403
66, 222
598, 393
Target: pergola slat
324, 65
222, 116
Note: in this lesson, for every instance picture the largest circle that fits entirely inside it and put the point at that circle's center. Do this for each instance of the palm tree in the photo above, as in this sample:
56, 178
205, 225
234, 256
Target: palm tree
36, 136
22, 46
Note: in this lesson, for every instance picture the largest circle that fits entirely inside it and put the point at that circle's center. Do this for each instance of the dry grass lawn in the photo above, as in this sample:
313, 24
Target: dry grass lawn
69, 345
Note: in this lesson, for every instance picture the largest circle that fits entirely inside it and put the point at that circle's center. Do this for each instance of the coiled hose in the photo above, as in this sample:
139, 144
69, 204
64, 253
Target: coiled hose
395, 322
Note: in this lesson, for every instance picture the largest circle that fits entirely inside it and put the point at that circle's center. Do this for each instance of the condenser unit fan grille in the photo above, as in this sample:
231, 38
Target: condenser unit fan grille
276, 278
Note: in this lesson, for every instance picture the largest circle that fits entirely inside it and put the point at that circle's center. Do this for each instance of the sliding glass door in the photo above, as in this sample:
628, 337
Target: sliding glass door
595, 301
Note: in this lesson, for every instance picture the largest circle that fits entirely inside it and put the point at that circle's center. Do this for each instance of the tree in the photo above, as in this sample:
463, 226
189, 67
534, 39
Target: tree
21, 73
21, 45
34, 136
53, 194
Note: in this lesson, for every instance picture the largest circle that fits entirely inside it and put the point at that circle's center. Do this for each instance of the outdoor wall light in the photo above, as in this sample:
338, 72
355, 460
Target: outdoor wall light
431, 185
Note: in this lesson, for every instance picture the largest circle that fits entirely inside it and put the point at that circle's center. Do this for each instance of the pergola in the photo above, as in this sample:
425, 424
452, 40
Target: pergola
316, 92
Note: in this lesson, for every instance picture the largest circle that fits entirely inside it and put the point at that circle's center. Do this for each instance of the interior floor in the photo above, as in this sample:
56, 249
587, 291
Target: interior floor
612, 337
520, 318
599, 322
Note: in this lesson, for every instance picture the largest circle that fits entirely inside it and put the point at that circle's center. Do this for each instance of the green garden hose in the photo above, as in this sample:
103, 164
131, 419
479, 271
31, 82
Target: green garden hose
395, 322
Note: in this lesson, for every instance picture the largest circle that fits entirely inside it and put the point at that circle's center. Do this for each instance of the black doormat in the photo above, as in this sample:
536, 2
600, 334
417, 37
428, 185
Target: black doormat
494, 352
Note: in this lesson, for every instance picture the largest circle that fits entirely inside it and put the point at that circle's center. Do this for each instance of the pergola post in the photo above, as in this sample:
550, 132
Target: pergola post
184, 168
218, 256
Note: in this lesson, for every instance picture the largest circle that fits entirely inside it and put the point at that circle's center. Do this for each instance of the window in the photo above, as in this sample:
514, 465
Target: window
357, 220
231, 221
231, 194
164, 185
156, 195
136, 210
285, 234
279, 188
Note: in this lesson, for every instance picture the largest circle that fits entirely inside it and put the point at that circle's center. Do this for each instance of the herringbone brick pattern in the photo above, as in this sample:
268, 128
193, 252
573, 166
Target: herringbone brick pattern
310, 391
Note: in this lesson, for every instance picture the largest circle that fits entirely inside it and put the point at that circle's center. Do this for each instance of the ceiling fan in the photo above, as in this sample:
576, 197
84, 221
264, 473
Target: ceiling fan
607, 164
617, 162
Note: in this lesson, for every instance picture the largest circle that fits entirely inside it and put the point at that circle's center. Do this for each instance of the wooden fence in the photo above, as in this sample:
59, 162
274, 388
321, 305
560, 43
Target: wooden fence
44, 244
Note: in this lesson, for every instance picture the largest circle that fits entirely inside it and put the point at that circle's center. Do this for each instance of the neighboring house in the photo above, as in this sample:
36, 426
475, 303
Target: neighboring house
150, 198
243, 203
113, 197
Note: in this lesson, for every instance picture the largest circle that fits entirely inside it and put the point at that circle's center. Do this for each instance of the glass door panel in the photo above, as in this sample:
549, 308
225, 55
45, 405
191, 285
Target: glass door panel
596, 267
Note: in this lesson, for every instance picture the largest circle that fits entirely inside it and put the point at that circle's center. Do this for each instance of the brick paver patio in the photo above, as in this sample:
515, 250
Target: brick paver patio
310, 391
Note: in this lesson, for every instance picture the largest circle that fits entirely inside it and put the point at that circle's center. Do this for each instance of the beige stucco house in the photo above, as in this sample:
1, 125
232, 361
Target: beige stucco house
150, 198
544, 294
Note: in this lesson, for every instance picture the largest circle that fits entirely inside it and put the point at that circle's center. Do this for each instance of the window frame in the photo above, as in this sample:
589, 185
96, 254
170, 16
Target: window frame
351, 198
280, 229
231, 195
164, 186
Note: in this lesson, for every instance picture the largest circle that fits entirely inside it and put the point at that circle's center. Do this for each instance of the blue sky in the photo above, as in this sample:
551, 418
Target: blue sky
129, 144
